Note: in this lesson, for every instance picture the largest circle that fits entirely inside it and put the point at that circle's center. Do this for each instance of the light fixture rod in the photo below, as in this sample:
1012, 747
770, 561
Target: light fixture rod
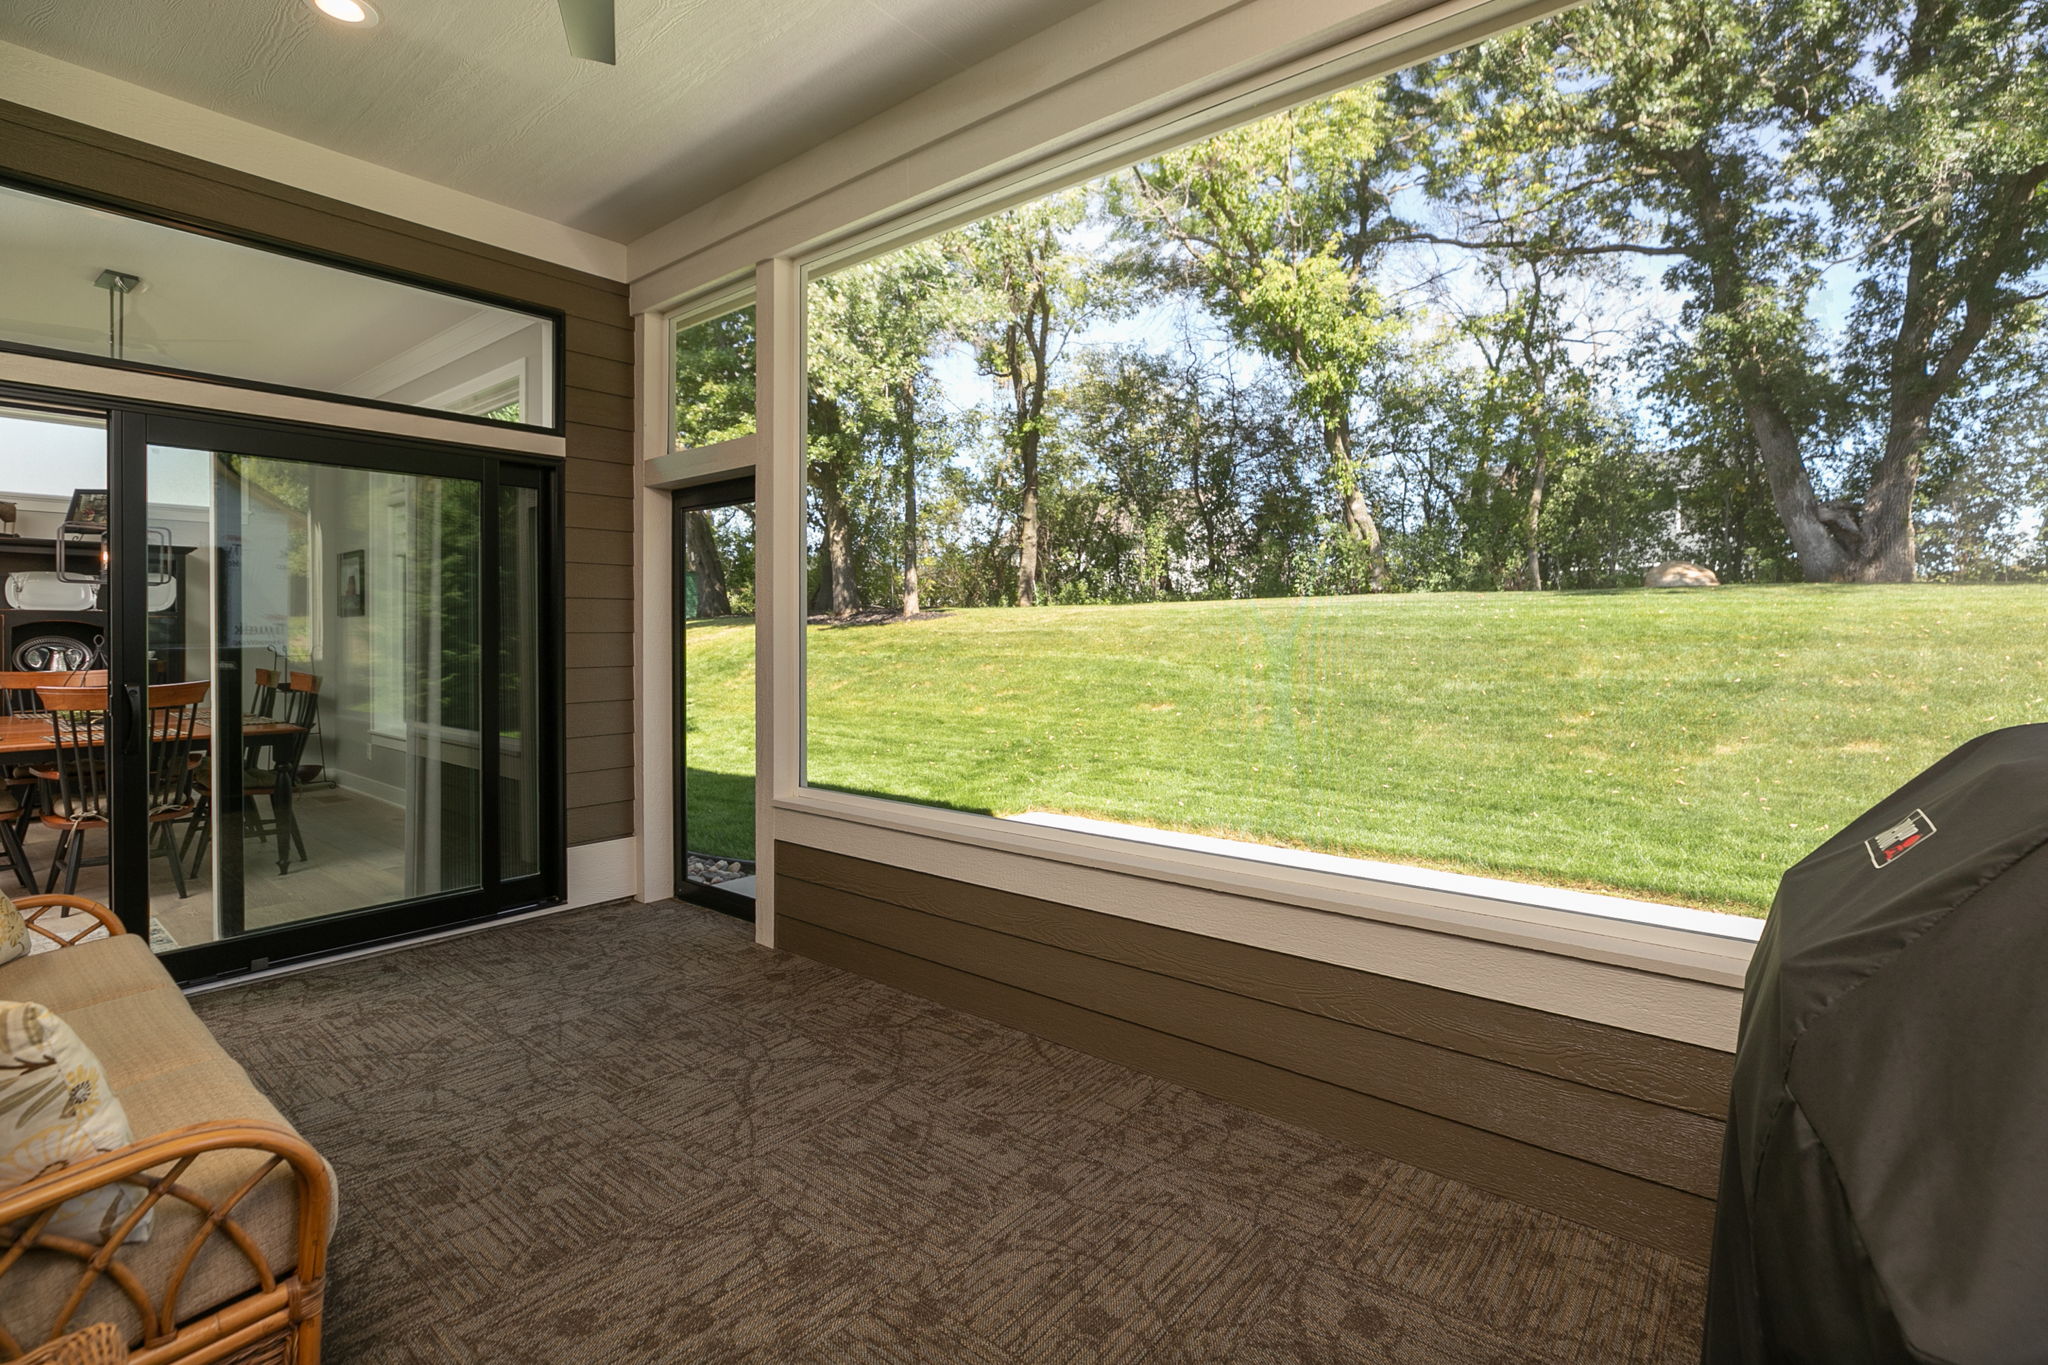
119, 284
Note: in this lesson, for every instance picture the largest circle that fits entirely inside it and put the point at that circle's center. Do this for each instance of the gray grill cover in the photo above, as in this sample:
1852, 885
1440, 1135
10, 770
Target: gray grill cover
1884, 1188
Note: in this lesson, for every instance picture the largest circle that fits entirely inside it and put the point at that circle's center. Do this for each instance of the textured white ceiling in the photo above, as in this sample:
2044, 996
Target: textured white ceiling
482, 96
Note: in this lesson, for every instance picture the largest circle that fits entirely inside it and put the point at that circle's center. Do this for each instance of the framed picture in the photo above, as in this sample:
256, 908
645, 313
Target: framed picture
88, 507
353, 585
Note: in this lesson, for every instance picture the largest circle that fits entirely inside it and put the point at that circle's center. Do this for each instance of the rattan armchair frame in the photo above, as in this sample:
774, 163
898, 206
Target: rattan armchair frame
277, 1323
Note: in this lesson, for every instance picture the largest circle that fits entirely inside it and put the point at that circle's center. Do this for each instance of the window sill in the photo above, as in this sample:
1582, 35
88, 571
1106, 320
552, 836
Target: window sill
1665, 940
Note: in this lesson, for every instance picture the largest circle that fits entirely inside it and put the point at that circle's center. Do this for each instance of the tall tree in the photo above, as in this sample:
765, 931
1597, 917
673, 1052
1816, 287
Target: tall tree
874, 332
1752, 142
1032, 288
1278, 228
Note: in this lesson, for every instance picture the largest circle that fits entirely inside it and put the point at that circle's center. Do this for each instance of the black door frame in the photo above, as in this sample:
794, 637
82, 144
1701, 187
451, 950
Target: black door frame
702, 497
132, 427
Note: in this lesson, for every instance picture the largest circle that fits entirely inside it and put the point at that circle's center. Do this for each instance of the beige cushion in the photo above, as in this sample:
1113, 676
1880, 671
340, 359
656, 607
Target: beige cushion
170, 1073
13, 932
84, 974
58, 1108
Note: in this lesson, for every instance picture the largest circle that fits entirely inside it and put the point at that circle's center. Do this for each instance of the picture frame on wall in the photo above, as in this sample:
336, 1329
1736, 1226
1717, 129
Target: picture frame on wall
354, 589
88, 508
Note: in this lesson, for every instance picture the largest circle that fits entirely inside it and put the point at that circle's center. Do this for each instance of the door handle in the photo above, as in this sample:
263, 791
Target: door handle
136, 718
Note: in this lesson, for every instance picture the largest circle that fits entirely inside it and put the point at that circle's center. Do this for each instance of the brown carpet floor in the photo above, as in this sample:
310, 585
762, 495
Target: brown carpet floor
628, 1134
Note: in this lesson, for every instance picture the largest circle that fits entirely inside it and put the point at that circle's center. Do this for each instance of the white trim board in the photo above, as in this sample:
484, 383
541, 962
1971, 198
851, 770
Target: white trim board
608, 871
94, 98
226, 396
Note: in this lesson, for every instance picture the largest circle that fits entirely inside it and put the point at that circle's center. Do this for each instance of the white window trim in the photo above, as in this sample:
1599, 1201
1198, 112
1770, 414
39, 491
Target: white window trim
1518, 914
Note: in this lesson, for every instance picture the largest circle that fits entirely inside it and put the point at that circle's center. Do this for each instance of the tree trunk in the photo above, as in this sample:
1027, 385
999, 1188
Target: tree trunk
1532, 525
906, 420
700, 555
1027, 523
838, 594
1358, 519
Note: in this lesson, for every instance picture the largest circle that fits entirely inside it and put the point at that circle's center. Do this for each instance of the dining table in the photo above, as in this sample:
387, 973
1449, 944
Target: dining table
30, 733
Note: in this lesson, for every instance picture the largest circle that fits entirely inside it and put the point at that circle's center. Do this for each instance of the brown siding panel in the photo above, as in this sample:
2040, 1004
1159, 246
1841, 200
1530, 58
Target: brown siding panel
597, 342
1601, 1125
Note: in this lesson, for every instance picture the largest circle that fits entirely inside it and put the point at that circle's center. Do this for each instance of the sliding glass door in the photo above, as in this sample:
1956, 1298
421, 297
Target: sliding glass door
330, 714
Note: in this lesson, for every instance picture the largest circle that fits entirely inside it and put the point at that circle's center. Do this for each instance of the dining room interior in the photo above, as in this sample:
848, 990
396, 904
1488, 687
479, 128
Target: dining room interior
345, 635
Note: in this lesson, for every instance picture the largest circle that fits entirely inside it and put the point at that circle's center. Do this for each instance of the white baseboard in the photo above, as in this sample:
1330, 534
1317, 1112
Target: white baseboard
603, 872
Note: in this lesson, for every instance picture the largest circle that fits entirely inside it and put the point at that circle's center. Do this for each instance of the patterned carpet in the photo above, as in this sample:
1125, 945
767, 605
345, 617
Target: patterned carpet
627, 1134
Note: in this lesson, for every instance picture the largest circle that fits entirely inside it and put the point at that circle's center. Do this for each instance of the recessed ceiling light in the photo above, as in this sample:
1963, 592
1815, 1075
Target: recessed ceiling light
348, 11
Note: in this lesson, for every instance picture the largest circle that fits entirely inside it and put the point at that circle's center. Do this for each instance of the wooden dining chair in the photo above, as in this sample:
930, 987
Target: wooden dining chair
19, 787
75, 796
270, 770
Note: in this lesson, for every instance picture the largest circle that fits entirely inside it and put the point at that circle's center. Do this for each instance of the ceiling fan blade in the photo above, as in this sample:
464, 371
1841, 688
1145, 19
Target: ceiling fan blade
592, 35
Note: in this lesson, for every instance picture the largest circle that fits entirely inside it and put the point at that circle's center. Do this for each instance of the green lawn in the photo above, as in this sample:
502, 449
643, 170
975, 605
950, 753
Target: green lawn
1681, 746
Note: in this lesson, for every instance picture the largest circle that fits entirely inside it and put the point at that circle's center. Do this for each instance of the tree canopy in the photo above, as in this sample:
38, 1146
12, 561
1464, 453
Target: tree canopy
1754, 282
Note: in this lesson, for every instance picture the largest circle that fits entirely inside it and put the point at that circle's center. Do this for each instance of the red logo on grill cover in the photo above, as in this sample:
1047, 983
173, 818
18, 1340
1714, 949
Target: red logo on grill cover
1888, 845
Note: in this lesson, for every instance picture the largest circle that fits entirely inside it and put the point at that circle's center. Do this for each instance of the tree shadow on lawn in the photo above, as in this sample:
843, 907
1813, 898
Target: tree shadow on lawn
929, 802
872, 616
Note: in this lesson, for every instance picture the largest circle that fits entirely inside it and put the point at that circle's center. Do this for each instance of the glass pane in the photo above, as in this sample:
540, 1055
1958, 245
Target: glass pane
718, 697
519, 617
96, 283
345, 656
1467, 470
53, 471
714, 380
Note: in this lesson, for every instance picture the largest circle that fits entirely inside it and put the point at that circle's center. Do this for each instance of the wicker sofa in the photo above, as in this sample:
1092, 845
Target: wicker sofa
234, 1268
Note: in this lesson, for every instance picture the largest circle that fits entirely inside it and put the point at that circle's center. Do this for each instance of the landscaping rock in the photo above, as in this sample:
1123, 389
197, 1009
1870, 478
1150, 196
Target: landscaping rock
1679, 573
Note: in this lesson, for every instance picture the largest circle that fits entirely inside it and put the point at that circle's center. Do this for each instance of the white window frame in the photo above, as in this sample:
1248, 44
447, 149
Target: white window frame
1685, 948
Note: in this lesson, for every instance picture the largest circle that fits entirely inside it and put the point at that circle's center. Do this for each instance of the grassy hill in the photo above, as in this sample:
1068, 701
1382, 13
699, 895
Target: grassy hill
1680, 746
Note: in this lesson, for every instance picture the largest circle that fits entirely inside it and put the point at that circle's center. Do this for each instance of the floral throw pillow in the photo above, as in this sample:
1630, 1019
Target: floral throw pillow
56, 1110
13, 931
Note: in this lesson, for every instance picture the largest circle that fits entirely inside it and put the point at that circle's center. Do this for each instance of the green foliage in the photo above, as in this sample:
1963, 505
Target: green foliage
715, 380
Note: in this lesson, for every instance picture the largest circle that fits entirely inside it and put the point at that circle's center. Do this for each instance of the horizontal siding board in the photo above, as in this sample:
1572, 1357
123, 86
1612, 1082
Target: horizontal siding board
1656, 1069
591, 442
598, 684
1651, 1141
591, 408
597, 476
601, 651
609, 340
595, 753
607, 788
596, 824
598, 580
598, 616
586, 546
598, 718
598, 374
591, 512
1639, 1210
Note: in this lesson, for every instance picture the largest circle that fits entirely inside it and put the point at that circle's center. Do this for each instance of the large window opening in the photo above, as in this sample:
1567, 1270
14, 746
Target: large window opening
1349, 481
